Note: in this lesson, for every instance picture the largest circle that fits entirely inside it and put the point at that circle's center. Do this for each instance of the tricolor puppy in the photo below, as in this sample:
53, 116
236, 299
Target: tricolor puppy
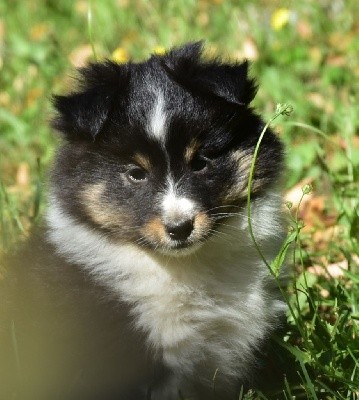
145, 283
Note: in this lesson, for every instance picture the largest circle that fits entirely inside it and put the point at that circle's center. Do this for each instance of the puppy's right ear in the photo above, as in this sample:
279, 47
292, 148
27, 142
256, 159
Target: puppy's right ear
81, 115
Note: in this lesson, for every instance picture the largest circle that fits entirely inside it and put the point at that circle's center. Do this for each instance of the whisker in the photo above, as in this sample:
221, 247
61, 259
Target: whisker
230, 226
223, 206
232, 214
179, 181
222, 235
141, 241
216, 217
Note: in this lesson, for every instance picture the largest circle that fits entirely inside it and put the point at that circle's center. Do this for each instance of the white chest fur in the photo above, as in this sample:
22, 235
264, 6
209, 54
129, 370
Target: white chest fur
210, 308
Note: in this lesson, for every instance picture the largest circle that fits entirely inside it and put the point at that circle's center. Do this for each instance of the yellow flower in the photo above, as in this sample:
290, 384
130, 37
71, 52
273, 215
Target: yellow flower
159, 50
280, 18
120, 55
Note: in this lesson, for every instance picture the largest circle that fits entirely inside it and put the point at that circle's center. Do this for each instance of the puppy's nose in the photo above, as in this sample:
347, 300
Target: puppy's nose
180, 230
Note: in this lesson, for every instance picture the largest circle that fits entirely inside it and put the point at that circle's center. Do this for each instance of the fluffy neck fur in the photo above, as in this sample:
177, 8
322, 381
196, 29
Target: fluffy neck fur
206, 310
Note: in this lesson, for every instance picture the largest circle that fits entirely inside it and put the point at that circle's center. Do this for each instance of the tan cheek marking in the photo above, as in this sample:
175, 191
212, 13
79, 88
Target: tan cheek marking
98, 210
242, 160
155, 230
92, 193
143, 161
201, 223
191, 150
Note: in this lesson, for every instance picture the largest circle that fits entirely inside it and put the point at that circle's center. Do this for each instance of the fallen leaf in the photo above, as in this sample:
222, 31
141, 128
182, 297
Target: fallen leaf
23, 174
123, 3
337, 60
334, 270
317, 99
2, 31
322, 237
33, 95
80, 56
4, 99
82, 7
202, 18
304, 29
341, 41
250, 50
324, 293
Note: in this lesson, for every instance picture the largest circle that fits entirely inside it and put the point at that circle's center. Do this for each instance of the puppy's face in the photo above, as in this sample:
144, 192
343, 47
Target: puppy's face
159, 153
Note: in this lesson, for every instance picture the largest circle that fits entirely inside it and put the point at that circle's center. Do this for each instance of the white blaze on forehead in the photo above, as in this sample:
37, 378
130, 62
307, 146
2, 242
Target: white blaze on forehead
158, 118
175, 206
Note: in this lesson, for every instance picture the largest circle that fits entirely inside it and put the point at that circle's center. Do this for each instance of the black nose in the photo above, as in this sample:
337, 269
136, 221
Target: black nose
180, 230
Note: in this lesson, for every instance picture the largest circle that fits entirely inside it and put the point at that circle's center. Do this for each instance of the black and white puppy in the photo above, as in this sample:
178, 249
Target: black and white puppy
145, 283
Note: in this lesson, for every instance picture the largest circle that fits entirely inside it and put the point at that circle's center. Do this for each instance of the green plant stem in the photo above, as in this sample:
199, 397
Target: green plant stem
281, 109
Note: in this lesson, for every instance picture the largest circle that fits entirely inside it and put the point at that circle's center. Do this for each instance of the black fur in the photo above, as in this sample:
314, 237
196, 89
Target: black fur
66, 334
228, 82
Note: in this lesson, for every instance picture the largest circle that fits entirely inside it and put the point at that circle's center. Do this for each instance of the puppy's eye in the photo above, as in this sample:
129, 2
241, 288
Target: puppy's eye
136, 174
199, 164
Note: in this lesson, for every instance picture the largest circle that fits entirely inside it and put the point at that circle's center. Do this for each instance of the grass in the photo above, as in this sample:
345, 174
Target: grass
304, 53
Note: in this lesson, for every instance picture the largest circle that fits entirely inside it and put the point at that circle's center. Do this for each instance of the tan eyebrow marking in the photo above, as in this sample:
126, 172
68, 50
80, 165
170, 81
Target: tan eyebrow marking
191, 150
242, 160
143, 161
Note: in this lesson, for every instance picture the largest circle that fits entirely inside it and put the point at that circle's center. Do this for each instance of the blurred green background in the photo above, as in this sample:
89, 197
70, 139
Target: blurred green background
304, 53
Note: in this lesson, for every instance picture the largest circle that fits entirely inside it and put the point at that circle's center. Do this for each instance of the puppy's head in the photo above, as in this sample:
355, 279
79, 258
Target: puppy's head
157, 153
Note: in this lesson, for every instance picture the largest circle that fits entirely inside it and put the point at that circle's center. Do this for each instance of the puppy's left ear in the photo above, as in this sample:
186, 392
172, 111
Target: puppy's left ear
226, 81
81, 115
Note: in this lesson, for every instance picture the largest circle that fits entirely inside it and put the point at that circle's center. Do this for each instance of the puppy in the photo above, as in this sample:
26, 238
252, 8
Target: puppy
144, 282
